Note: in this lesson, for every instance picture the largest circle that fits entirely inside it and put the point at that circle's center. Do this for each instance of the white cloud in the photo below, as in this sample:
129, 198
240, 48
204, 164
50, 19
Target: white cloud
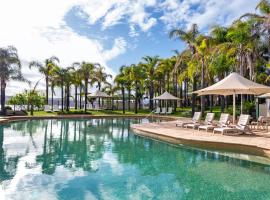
112, 12
37, 29
119, 47
204, 12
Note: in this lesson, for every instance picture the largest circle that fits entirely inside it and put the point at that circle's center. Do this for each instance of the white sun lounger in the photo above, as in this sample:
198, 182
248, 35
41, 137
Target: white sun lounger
223, 122
195, 119
240, 128
157, 110
170, 110
163, 111
55, 108
47, 108
207, 121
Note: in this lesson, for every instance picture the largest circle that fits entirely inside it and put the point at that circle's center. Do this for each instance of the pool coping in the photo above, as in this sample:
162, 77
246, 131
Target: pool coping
159, 133
7, 119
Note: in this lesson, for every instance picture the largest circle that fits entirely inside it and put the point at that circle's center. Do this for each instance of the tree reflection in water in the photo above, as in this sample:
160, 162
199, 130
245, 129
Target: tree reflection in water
114, 159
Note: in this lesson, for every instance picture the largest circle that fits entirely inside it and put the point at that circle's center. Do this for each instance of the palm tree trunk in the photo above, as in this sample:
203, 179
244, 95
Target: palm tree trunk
47, 89
52, 96
136, 97
76, 93
67, 96
80, 96
194, 96
123, 99
85, 94
151, 95
99, 87
3, 96
129, 94
62, 97
181, 94
202, 86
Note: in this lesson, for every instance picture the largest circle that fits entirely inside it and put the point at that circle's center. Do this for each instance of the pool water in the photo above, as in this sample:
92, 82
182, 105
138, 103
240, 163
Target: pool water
103, 159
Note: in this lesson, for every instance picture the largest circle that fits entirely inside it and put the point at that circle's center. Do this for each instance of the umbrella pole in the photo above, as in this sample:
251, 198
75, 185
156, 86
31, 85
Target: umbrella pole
241, 103
233, 108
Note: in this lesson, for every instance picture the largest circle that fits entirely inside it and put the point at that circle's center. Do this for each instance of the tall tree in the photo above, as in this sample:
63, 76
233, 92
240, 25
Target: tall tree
10, 69
87, 72
189, 37
150, 64
120, 80
138, 75
45, 69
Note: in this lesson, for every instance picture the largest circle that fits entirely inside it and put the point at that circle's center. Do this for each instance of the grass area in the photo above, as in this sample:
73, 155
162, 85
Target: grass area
180, 112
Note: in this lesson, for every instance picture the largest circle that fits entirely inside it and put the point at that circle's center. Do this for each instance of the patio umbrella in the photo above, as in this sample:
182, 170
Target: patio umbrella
234, 84
266, 95
166, 96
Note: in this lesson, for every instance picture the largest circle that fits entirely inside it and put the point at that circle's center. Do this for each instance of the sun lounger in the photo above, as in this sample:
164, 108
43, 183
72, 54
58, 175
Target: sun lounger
207, 121
261, 123
170, 110
240, 128
223, 122
195, 119
157, 110
55, 108
47, 108
163, 111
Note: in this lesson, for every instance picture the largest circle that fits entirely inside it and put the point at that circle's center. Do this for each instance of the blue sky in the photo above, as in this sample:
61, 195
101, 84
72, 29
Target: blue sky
111, 32
153, 42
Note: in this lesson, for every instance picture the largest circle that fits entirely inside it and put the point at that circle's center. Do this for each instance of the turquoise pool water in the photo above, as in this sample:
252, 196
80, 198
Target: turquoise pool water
103, 159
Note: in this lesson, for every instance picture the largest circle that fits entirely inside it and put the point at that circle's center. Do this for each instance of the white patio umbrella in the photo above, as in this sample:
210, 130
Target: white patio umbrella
166, 96
234, 84
266, 95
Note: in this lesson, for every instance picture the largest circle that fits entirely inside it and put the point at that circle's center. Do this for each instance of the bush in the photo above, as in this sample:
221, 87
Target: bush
249, 107
76, 112
8, 108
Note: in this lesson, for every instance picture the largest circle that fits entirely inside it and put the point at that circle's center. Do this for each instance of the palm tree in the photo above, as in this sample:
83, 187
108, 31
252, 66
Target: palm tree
262, 22
60, 76
138, 76
87, 72
10, 69
128, 84
45, 69
150, 66
100, 77
76, 81
189, 37
120, 80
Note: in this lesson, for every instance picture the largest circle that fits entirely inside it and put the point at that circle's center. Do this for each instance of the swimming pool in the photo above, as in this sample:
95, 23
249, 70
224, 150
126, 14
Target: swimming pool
103, 159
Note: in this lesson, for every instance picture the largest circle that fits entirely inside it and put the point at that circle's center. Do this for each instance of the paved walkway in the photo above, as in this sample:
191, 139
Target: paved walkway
258, 144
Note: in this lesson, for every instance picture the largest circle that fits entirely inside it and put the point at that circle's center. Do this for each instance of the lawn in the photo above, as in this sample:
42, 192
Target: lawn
180, 112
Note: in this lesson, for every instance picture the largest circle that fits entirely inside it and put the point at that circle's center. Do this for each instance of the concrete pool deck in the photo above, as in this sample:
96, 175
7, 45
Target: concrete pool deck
257, 144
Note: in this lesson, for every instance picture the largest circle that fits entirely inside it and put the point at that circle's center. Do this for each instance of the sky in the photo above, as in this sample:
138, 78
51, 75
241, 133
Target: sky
110, 32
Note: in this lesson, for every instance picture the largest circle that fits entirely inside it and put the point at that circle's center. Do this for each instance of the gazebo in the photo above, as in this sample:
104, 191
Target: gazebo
99, 94
234, 84
166, 96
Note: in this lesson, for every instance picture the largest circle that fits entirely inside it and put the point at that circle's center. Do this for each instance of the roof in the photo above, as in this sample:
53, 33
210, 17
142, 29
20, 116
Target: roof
99, 94
234, 84
166, 96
